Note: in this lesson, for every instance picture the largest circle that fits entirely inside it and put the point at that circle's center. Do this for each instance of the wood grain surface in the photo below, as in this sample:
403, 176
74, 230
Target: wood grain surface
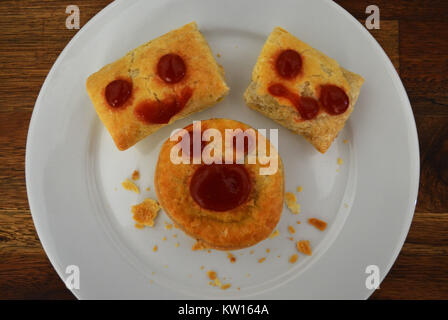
413, 33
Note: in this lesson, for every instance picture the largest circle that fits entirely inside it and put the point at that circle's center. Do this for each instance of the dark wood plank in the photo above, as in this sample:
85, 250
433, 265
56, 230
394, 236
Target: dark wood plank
433, 135
412, 10
420, 270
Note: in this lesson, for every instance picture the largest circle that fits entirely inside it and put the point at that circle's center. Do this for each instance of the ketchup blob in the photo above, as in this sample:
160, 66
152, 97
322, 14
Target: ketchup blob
334, 99
307, 107
288, 64
161, 111
171, 68
220, 187
118, 92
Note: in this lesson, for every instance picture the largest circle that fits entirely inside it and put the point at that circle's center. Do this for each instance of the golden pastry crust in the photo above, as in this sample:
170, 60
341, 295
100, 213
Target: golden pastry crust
317, 70
203, 76
240, 227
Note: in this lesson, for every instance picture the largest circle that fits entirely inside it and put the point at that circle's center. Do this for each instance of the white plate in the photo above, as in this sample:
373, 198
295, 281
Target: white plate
74, 171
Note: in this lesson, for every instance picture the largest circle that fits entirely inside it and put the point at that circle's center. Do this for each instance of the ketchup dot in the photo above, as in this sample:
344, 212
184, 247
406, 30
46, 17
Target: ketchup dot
309, 107
334, 99
289, 64
171, 68
220, 187
118, 92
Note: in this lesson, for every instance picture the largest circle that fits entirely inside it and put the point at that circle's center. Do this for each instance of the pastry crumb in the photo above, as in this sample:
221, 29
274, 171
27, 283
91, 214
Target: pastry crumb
145, 212
164, 238
251, 252
274, 234
148, 189
291, 230
319, 224
135, 175
299, 189
298, 222
303, 246
218, 55
291, 202
345, 141
168, 226
199, 245
155, 248
225, 286
211, 274
130, 186
177, 245
217, 282
261, 260
291, 238
340, 162
293, 258
268, 250
202, 268
175, 235
231, 257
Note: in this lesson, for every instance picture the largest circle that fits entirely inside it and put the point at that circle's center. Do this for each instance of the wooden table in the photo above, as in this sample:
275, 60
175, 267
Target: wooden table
413, 33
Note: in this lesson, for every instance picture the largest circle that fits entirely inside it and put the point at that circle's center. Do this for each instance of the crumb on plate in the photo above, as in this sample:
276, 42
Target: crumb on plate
299, 189
199, 245
340, 162
145, 212
155, 248
291, 230
231, 257
293, 258
291, 202
225, 286
135, 175
319, 224
304, 247
130, 186
261, 260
